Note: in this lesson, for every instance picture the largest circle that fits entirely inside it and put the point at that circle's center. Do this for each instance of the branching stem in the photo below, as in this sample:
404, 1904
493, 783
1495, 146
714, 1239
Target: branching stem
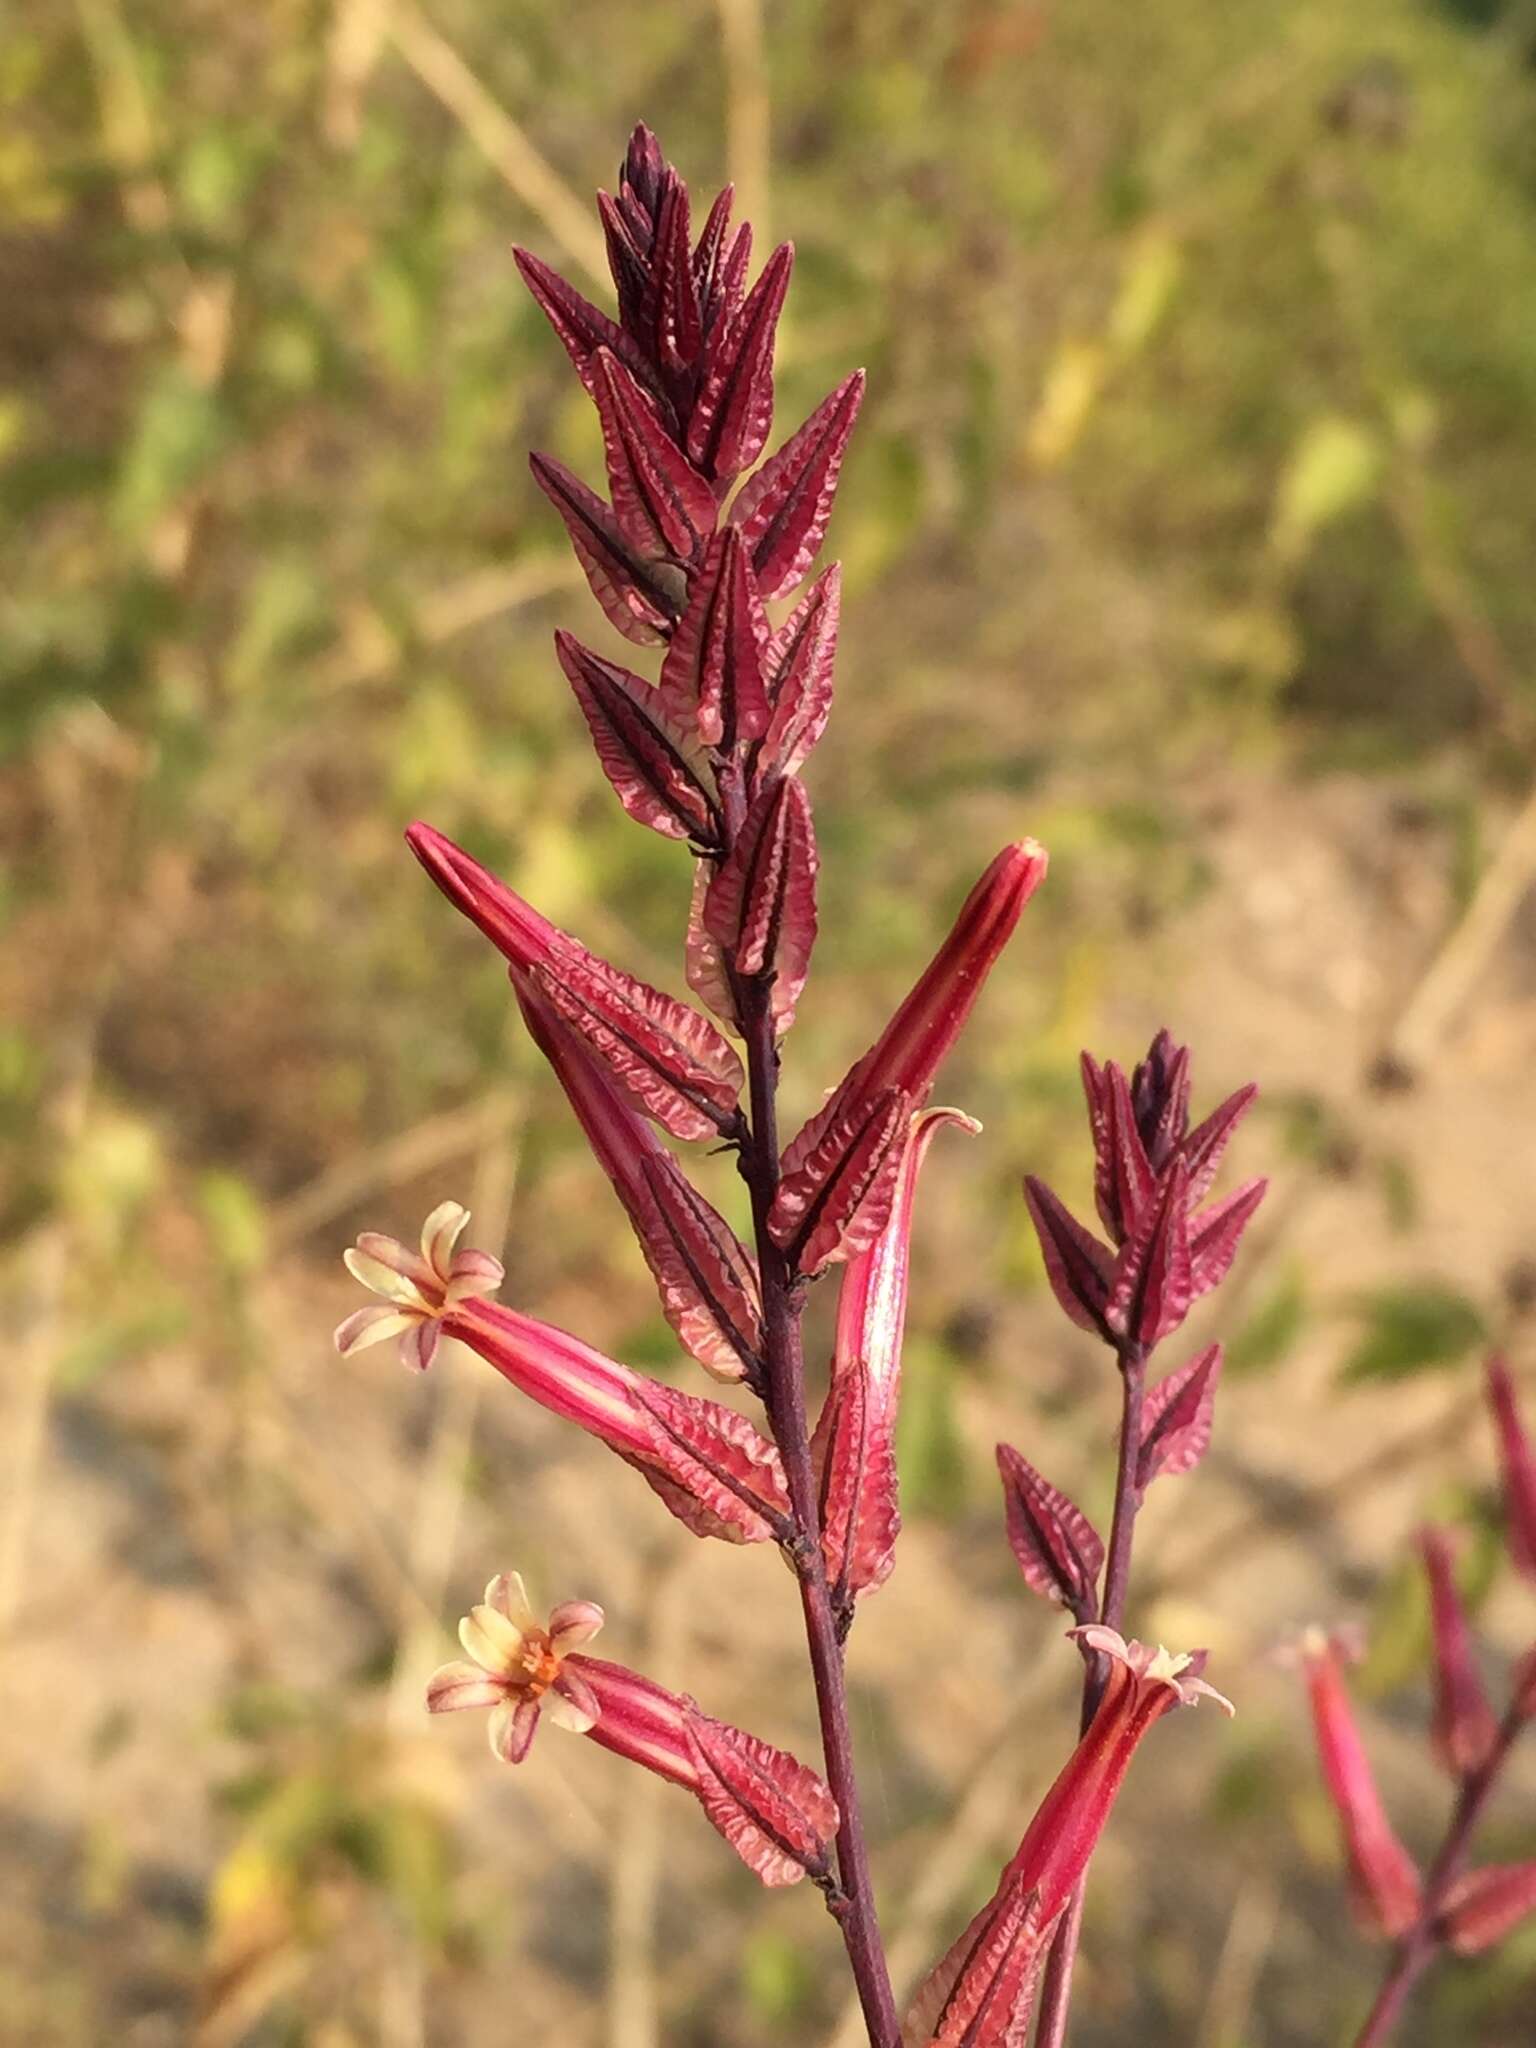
853, 1906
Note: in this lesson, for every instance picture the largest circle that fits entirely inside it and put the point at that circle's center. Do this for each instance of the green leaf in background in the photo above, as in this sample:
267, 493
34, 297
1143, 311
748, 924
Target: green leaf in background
236, 1221
778, 1976
1333, 471
930, 1448
179, 434
1411, 1329
1274, 1327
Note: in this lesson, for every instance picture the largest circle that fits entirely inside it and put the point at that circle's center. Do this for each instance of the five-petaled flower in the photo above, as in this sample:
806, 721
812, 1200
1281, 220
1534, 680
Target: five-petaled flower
418, 1287
519, 1668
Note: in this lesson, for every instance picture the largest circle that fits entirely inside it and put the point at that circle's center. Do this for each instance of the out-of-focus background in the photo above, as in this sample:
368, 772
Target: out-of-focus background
1188, 527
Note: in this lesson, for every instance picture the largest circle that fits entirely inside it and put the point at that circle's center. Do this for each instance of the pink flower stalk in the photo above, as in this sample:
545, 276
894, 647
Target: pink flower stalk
706, 1278
1465, 1728
717, 1473
1384, 1880
1485, 1905
778, 1816
1518, 1463
855, 1439
1005, 1943
418, 1288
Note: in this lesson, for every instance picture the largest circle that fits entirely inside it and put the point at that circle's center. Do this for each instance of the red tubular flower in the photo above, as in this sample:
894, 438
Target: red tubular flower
854, 1443
778, 1816
1485, 1905
667, 1057
1384, 1880
717, 1474
1465, 1727
908, 1053
840, 1169
1518, 1463
1142, 1686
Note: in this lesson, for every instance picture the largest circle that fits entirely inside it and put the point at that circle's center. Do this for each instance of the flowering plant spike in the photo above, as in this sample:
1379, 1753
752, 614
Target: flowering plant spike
1453, 1907
699, 522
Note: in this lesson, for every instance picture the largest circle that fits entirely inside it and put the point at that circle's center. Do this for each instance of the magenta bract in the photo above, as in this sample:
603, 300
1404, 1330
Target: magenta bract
1059, 1550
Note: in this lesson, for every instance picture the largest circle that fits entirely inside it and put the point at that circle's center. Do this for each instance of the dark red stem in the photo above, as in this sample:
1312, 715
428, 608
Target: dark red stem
1420, 1945
1056, 1990
853, 1903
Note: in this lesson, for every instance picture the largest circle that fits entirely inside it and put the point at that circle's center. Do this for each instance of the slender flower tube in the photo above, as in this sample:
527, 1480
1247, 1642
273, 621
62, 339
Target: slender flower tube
909, 1051
854, 1442
1465, 1729
715, 1471
1143, 1685
778, 1816
667, 1057
1518, 1462
838, 1175
514, 927
1384, 1880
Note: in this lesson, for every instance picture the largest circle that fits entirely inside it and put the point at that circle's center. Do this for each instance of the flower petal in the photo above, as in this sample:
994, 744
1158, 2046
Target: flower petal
418, 1347
495, 1643
512, 1730
371, 1325
509, 1596
572, 1623
440, 1233
389, 1251
380, 1276
456, 1685
571, 1703
473, 1273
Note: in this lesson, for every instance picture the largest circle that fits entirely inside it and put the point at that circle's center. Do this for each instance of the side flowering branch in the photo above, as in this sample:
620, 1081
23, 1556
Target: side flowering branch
1453, 1908
1152, 1173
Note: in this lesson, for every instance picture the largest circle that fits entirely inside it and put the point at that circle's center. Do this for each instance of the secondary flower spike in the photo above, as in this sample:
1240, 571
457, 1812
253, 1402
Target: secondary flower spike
1142, 1686
717, 1473
1384, 1880
778, 1816
1151, 1174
